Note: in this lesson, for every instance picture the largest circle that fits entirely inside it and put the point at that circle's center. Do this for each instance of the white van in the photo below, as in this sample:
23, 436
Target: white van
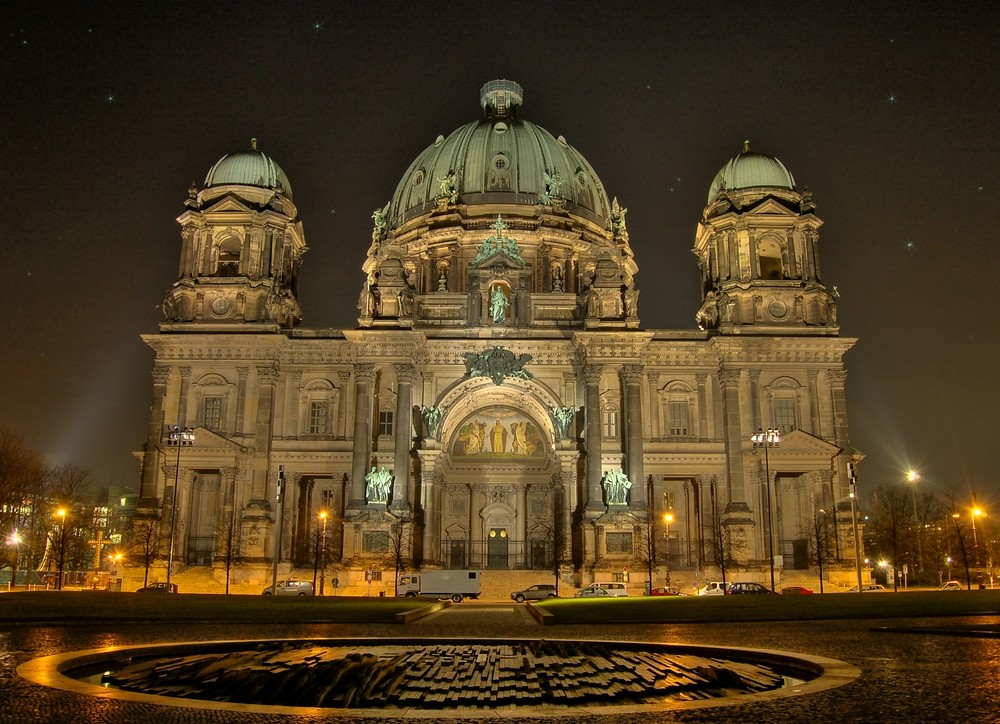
713, 588
612, 590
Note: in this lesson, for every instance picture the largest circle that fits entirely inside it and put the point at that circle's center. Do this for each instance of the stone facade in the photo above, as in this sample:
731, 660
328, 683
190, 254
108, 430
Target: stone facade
499, 406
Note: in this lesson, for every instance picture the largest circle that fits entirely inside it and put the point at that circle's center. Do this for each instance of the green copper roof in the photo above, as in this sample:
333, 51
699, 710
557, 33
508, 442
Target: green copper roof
751, 170
249, 168
501, 158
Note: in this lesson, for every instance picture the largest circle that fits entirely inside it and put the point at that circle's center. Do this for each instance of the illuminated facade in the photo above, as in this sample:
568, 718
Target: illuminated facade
499, 405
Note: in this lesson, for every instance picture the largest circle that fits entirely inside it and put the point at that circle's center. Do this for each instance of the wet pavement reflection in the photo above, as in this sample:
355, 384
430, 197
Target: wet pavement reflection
905, 677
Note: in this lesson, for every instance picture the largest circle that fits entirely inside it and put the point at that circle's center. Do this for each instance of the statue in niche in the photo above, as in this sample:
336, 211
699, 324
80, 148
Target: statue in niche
557, 278
378, 486
593, 303
432, 418
404, 299
499, 304
563, 417
442, 281
631, 297
616, 487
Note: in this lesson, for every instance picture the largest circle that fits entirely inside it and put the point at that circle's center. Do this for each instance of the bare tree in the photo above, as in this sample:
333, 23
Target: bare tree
822, 542
959, 534
229, 544
144, 545
890, 524
724, 545
399, 553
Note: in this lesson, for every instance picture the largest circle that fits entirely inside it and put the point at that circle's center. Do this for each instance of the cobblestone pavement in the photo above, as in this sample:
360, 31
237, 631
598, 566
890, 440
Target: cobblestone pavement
906, 677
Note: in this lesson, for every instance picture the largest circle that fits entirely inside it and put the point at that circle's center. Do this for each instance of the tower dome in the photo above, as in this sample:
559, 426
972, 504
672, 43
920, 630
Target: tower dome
500, 159
751, 170
249, 168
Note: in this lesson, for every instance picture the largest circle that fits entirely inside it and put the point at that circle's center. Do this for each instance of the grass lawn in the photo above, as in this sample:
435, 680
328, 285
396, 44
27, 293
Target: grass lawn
81, 607
693, 609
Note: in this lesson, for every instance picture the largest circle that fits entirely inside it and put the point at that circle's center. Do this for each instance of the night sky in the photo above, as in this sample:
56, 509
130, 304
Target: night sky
888, 112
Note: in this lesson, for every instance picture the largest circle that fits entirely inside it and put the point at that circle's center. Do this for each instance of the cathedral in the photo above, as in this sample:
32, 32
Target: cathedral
499, 406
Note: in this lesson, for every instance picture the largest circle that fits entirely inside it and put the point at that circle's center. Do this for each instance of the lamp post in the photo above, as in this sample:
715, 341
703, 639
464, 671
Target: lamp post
770, 438
668, 518
975, 513
322, 553
913, 477
180, 438
62, 546
15, 540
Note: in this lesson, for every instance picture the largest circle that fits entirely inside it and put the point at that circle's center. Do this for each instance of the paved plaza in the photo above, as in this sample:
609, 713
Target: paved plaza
906, 676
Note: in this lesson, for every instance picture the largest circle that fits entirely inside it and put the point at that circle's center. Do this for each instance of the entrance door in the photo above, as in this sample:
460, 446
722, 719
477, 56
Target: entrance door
496, 548
456, 554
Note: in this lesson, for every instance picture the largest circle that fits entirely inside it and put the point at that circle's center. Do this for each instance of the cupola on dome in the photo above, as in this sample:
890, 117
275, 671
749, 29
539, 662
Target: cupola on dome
249, 168
749, 170
500, 159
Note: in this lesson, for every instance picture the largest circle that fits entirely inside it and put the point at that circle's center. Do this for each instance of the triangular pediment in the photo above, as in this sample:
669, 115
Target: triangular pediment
769, 206
498, 259
227, 204
205, 439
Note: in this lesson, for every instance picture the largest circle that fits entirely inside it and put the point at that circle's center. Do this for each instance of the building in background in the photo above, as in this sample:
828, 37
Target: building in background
499, 405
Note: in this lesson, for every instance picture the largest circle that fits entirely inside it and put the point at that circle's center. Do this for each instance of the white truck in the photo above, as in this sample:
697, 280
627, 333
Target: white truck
455, 585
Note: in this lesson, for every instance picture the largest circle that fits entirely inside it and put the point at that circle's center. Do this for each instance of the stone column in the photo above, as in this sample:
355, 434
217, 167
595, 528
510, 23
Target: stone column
654, 405
755, 399
595, 499
267, 381
241, 400
182, 400
345, 385
430, 501
568, 501
700, 380
406, 377
364, 375
733, 433
838, 400
814, 418
291, 425
631, 377
154, 434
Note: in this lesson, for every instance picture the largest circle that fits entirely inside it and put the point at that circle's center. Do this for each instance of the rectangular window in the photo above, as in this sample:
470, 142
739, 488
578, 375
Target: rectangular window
784, 414
376, 541
679, 423
619, 542
327, 499
384, 422
318, 411
609, 421
212, 413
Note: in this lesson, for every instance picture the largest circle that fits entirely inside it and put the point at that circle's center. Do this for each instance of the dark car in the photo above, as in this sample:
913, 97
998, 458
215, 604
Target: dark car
741, 587
158, 588
538, 592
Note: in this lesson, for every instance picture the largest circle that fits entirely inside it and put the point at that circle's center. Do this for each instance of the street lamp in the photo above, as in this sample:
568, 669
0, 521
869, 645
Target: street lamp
668, 518
15, 540
180, 438
322, 552
770, 438
62, 546
976, 512
913, 477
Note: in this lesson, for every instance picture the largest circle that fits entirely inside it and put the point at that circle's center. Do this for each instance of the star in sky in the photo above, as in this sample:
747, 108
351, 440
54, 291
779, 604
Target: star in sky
109, 99
317, 26
909, 245
892, 98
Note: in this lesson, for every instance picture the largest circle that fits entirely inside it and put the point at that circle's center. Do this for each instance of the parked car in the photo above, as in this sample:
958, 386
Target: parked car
291, 588
795, 590
712, 588
664, 591
538, 592
161, 587
953, 586
596, 590
746, 587
869, 588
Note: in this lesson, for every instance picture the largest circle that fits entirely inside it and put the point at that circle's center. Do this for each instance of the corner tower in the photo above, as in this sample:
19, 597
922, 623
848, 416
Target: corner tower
242, 244
758, 250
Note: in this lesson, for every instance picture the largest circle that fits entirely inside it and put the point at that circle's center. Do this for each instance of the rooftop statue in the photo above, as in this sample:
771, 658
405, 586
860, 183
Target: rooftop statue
448, 191
552, 184
381, 219
618, 218
497, 363
499, 243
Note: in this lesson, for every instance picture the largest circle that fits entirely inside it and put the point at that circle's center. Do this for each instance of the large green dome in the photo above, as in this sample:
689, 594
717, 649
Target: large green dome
249, 168
751, 170
501, 159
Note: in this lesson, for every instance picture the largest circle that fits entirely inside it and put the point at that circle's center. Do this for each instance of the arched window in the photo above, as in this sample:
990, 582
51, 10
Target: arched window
769, 256
784, 393
316, 408
230, 249
212, 394
678, 401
